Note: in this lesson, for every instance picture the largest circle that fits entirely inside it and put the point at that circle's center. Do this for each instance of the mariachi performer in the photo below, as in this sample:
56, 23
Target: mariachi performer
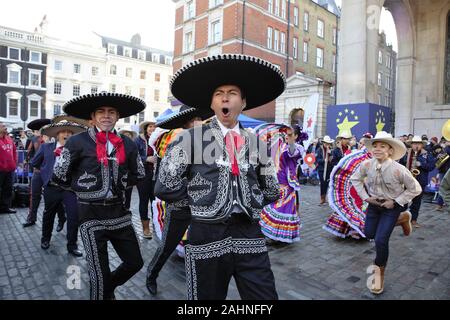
57, 199
324, 167
419, 162
225, 175
390, 186
98, 165
280, 221
36, 180
146, 186
176, 220
342, 147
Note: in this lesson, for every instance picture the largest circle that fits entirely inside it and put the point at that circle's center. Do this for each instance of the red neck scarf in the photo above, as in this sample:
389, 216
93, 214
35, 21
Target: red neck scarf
58, 151
102, 148
233, 144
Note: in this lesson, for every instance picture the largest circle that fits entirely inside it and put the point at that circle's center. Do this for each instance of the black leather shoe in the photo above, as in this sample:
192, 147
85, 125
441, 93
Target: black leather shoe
28, 224
75, 252
152, 286
8, 211
45, 245
60, 226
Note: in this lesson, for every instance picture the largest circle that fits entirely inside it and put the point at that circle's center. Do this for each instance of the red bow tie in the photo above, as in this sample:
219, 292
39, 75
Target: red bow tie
233, 144
58, 151
116, 141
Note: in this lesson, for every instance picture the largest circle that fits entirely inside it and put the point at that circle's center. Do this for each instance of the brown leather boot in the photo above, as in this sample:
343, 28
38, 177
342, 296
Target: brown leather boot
378, 286
322, 199
146, 230
404, 220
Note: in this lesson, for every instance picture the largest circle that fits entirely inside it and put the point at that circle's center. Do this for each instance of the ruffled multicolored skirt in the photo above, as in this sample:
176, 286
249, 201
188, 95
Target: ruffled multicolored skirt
280, 220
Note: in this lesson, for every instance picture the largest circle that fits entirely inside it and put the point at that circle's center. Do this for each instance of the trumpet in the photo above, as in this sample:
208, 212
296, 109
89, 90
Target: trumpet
415, 172
441, 159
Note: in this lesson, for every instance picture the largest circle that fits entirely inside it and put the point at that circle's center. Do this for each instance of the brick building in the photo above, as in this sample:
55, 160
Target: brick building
269, 29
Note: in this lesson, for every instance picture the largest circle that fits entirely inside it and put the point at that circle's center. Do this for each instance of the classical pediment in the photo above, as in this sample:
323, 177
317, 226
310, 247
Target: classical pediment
298, 80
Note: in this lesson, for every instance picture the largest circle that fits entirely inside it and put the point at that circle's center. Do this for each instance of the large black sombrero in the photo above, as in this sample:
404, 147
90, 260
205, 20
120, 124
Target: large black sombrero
83, 106
38, 124
186, 113
260, 80
52, 129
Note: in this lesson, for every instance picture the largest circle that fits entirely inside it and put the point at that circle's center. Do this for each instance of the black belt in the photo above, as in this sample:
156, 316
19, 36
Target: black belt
105, 202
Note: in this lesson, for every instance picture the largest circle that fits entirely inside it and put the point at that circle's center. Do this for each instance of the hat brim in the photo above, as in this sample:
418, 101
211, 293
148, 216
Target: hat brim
52, 130
38, 124
398, 146
260, 81
82, 106
68, 118
144, 124
179, 119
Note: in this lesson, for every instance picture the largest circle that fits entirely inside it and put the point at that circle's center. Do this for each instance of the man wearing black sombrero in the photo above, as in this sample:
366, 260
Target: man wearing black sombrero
225, 175
98, 165
36, 181
56, 199
176, 220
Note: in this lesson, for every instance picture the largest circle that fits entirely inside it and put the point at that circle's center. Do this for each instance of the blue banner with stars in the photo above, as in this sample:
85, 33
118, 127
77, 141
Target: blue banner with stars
357, 119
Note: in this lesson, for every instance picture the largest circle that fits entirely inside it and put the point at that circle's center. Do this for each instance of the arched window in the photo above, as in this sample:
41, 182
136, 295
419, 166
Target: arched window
447, 64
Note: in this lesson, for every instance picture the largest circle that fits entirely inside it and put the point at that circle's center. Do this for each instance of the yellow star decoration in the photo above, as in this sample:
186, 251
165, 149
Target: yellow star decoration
380, 121
346, 126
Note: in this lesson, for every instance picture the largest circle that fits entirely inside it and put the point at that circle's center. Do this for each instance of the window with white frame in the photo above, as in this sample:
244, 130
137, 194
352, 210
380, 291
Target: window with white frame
305, 51
283, 42
215, 3
188, 44
215, 32
76, 89
388, 58
58, 65
128, 90
13, 53
157, 77
56, 109
13, 107
155, 57
34, 78
34, 106
386, 101
283, 9
57, 87
306, 21
388, 82
143, 75
380, 78
168, 60
189, 10
141, 116
142, 93
35, 57
334, 63
127, 52
296, 16
334, 36
295, 48
113, 87
156, 92
332, 91
276, 39
113, 69
76, 68
129, 72
112, 48
379, 99
13, 76
270, 6
141, 54
380, 57
320, 28
94, 71
269, 37
126, 120
155, 114
319, 54
277, 7
94, 89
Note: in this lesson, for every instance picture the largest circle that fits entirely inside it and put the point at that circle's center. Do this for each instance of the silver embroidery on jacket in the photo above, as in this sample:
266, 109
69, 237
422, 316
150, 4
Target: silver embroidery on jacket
87, 180
172, 168
62, 164
199, 181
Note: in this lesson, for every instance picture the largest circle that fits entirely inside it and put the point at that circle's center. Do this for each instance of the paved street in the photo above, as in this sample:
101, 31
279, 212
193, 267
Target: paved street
320, 266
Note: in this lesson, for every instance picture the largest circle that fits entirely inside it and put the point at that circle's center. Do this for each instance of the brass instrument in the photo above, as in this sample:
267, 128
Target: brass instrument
415, 172
441, 159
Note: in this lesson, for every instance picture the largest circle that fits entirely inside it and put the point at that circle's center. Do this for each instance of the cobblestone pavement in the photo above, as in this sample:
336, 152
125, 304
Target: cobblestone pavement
320, 266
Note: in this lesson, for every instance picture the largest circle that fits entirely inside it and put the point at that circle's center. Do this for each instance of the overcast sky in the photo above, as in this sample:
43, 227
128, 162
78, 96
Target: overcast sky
77, 20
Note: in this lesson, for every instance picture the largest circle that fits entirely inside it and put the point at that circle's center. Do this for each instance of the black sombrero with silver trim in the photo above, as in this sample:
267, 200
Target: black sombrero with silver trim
38, 124
260, 80
180, 118
82, 106
52, 129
